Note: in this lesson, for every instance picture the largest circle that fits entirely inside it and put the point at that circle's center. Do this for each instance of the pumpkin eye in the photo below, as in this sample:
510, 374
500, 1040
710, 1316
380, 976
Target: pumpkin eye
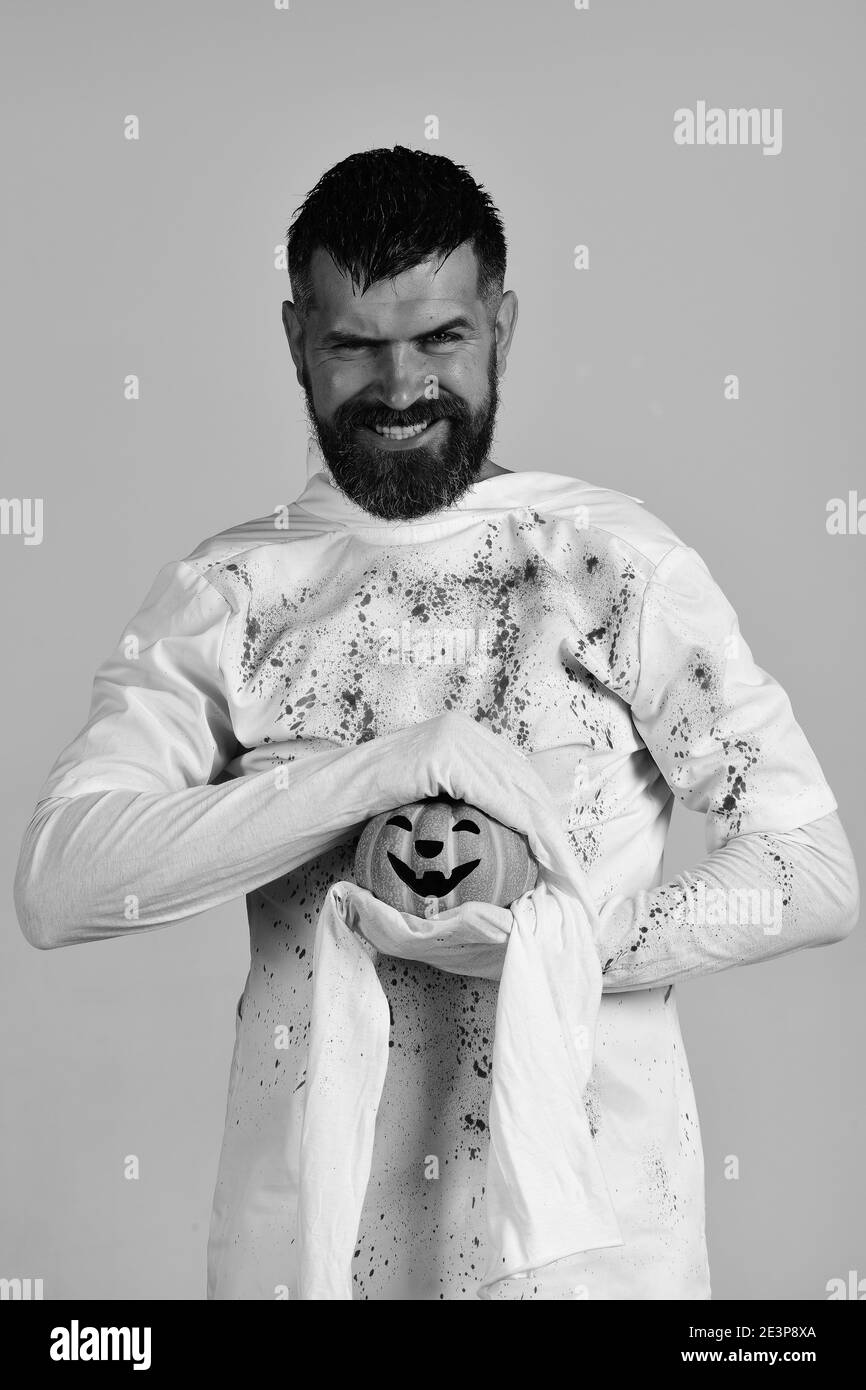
402, 822
467, 825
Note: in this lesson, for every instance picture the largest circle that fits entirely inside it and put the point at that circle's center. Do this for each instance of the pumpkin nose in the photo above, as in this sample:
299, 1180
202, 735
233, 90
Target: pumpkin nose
428, 849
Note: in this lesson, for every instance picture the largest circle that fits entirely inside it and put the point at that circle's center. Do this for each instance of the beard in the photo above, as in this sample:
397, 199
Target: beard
398, 485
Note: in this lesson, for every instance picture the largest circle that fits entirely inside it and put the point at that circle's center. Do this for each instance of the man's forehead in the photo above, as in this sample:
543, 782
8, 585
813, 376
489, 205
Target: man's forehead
449, 287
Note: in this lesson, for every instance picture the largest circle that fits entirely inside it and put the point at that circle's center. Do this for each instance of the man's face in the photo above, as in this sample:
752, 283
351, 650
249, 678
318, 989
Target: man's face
418, 351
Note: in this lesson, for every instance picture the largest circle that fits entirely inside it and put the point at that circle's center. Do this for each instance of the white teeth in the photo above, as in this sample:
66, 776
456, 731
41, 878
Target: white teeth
399, 431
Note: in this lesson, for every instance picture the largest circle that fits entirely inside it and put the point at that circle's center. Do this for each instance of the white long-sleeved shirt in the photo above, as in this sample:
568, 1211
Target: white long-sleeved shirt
577, 626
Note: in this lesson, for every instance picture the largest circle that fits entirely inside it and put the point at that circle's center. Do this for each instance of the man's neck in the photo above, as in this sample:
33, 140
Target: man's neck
489, 470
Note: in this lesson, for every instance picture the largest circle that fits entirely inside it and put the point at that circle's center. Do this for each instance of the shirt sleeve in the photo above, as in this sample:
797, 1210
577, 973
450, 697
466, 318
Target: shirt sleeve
780, 874
158, 715
720, 729
759, 895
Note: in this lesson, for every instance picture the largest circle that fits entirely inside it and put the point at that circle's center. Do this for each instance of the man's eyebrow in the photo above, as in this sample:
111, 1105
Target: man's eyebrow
337, 336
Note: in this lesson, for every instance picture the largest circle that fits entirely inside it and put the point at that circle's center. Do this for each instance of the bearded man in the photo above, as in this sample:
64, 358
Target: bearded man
241, 740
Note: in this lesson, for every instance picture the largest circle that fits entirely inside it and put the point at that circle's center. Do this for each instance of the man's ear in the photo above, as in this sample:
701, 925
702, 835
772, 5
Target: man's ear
505, 324
294, 337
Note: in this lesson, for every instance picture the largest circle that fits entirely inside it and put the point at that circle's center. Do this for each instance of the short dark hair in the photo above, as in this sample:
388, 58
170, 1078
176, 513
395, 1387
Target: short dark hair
380, 212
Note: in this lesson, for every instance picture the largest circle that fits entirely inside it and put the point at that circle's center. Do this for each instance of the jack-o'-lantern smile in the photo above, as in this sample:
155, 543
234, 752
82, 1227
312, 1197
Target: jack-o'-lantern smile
433, 882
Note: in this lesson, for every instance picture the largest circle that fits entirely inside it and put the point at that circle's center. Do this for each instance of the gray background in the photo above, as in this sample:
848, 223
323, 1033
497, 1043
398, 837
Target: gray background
156, 258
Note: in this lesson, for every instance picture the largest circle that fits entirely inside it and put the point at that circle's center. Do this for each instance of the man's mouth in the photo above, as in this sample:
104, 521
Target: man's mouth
403, 436
401, 431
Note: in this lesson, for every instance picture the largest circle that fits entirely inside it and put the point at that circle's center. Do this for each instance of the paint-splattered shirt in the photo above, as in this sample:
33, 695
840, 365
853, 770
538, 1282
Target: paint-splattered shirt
571, 622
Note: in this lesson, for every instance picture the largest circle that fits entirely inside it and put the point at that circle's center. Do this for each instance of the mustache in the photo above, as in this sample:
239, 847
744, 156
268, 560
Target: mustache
420, 415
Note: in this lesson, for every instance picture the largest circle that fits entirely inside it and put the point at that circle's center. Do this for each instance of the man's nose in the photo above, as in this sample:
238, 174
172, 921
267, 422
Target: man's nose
428, 849
400, 378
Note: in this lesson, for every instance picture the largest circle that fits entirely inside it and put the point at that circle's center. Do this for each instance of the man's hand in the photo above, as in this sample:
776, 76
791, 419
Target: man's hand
466, 940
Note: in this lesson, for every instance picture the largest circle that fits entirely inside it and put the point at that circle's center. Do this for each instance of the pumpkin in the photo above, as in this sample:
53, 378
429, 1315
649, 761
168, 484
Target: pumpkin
436, 854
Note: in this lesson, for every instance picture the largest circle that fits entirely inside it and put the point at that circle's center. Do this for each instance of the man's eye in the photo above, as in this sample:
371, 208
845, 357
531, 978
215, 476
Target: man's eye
438, 339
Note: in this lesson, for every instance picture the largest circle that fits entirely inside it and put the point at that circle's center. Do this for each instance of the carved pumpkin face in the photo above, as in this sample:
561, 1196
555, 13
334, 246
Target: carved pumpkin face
442, 852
